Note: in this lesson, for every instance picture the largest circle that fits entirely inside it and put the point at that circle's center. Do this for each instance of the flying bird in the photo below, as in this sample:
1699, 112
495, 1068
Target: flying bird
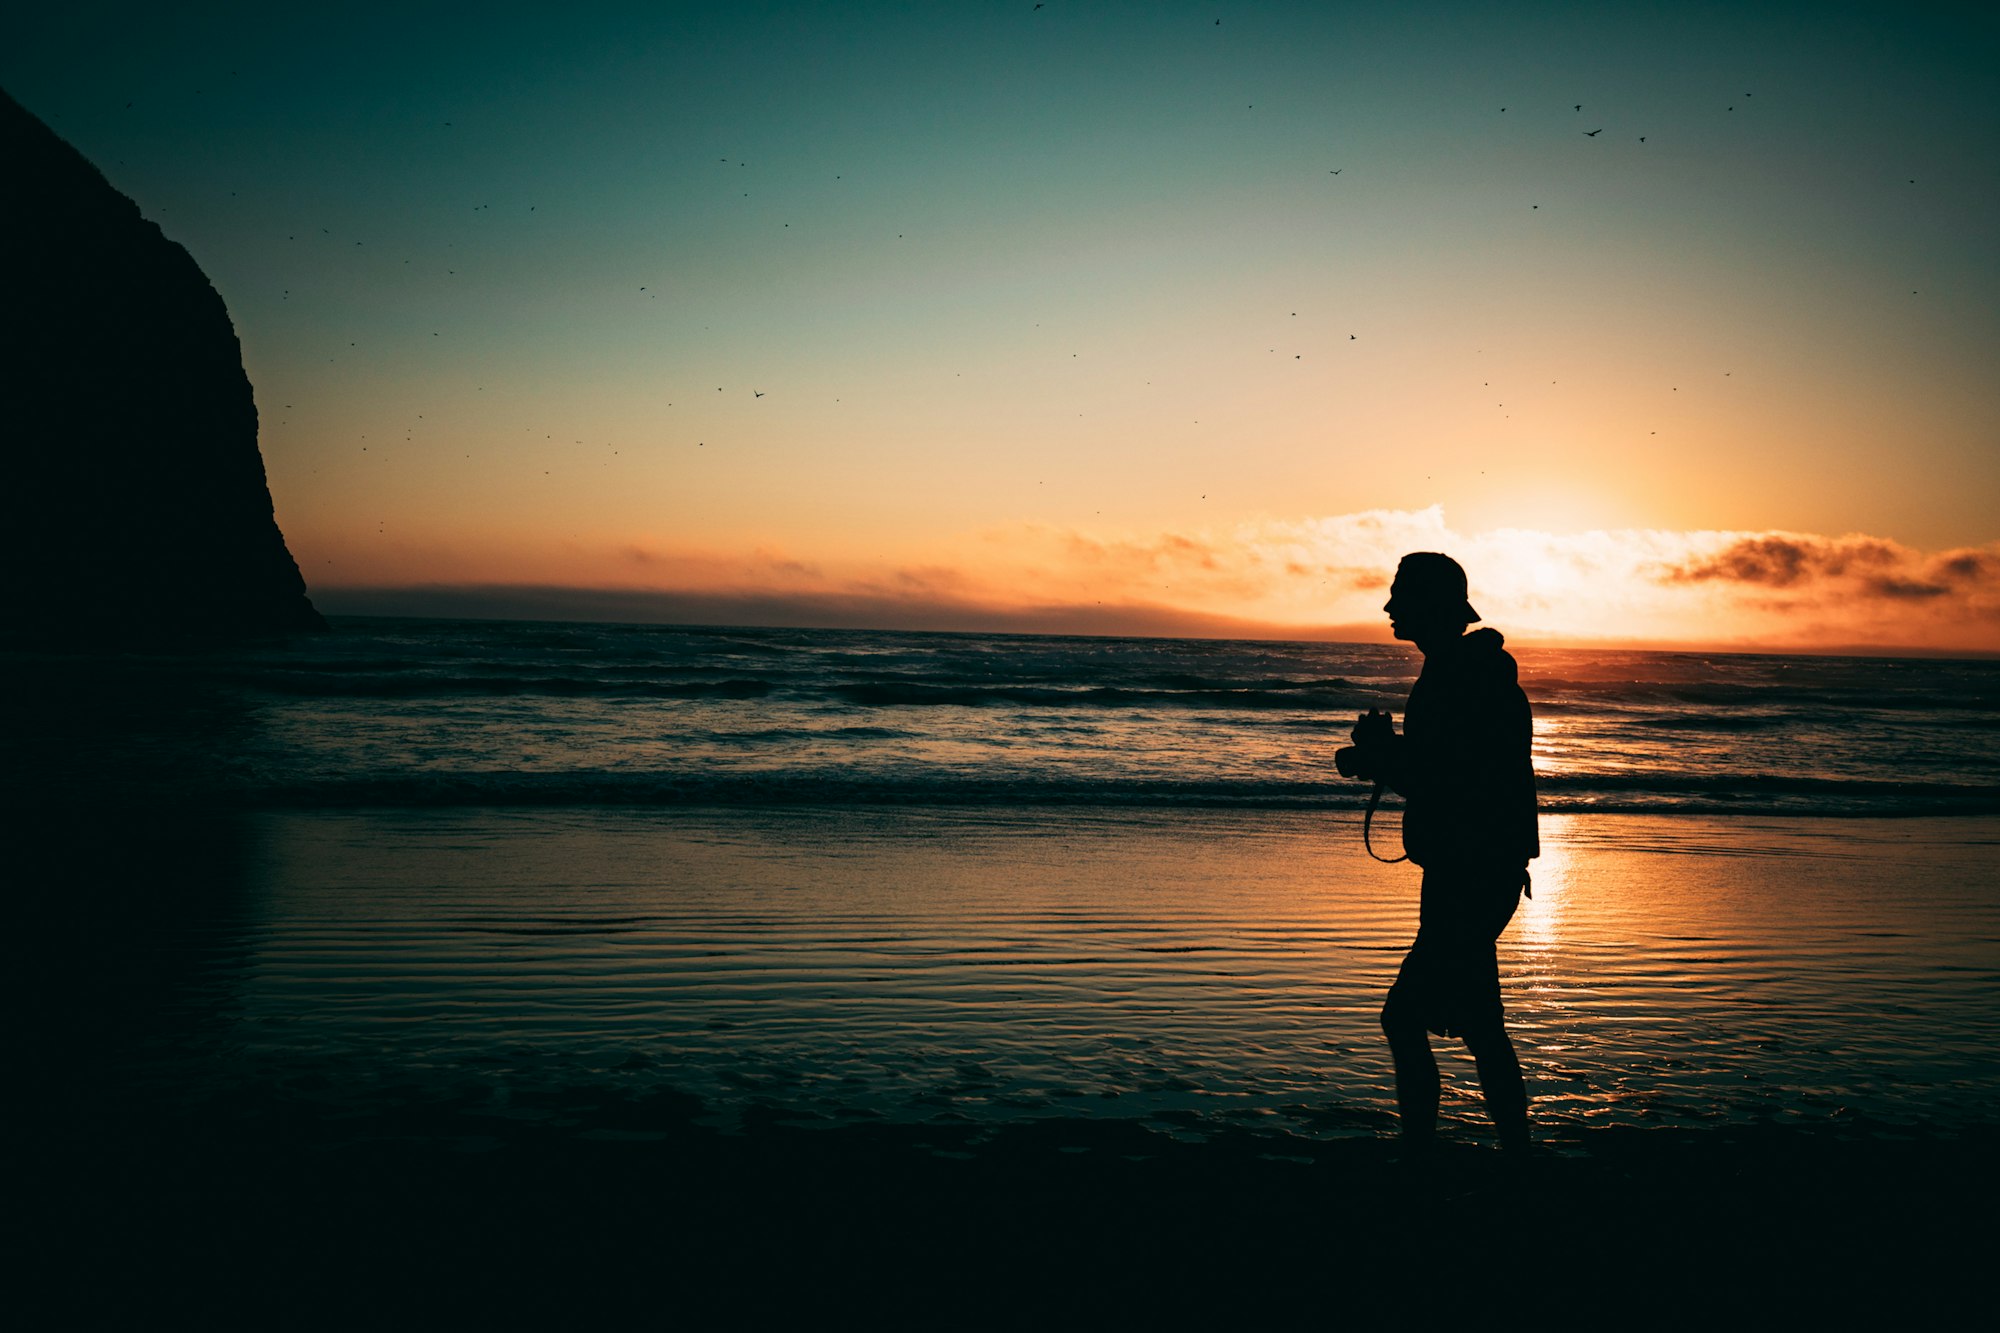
759, 392
1591, 134
1579, 106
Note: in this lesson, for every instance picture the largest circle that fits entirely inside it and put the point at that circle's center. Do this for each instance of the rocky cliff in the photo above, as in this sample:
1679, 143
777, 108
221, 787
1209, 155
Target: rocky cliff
134, 502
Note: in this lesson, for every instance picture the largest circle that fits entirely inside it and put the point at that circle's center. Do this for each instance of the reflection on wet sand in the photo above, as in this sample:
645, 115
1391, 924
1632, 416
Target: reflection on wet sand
446, 1065
1189, 973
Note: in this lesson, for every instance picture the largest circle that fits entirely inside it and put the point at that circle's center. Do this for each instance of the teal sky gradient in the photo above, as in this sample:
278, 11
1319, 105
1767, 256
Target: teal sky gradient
1087, 266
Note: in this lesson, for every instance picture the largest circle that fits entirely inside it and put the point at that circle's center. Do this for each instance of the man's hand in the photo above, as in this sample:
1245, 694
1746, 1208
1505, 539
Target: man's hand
1374, 732
1374, 729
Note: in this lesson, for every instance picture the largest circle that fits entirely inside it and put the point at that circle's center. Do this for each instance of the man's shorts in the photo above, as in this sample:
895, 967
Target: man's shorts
1451, 979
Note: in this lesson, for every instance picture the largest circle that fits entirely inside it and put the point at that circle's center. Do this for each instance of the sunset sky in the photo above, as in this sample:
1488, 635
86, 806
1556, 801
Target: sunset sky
1096, 317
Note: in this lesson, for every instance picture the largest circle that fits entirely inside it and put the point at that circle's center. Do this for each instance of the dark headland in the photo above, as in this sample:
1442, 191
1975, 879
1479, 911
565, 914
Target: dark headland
136, 504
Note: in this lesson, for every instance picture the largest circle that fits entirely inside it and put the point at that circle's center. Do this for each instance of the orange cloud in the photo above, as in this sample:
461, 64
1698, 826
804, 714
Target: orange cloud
1317, 577
1881, 591
1866, 566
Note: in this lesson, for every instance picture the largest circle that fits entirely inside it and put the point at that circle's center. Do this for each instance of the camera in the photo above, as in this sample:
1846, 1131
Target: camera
1372, 733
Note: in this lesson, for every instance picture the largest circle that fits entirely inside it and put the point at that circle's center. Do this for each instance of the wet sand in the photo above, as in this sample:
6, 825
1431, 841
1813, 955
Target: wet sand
395, 1070
632, 1211
1191, 970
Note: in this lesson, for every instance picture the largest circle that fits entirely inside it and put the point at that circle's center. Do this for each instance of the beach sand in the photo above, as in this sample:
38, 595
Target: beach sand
252, 1219
461, 1066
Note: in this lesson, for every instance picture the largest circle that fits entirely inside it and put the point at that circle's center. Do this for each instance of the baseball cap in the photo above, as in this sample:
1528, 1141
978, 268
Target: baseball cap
1432, 577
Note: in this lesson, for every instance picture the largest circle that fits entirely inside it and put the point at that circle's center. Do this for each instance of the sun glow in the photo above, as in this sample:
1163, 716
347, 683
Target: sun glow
1271, 577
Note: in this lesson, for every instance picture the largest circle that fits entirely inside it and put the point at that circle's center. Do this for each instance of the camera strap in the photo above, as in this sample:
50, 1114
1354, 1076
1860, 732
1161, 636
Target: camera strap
1367, 820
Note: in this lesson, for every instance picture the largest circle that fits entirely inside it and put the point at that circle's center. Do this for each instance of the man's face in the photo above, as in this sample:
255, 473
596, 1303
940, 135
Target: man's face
1414, 616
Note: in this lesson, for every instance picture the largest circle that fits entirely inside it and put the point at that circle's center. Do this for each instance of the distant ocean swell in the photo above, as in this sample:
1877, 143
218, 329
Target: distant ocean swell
439, 713
1608, 794
420, 686
1334, 694
1716, 708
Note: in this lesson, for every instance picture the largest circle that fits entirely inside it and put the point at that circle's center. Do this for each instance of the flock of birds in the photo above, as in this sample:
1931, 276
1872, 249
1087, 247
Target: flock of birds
410, 433
738, 165
1592, 134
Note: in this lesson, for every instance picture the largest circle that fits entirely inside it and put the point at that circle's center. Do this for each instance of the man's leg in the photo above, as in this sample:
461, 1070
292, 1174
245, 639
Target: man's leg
1416, 1071
1500, 1082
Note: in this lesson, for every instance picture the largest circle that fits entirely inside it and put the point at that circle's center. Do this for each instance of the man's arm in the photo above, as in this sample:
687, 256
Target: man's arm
1471, 750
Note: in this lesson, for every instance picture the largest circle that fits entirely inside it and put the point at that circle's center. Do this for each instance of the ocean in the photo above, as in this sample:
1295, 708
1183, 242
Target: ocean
507, 870
441, 713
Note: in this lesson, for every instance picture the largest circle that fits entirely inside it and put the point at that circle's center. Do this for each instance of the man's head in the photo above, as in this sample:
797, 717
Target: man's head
1427, 600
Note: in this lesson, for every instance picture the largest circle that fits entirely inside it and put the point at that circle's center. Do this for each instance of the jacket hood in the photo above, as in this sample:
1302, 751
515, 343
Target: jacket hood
1483, 653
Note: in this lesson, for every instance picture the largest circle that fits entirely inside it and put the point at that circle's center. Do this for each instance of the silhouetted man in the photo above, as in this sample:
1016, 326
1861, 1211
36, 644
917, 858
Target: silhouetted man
1463, 767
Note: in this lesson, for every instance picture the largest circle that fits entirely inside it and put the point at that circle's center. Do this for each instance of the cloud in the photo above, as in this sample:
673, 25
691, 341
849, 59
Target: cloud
1961, 567
1749, 589
1906, 590
1310, 577
1856, 570
1783, 560
761, 565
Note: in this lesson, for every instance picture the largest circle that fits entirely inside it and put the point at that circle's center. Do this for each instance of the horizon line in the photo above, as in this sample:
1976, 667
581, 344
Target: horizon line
567, 604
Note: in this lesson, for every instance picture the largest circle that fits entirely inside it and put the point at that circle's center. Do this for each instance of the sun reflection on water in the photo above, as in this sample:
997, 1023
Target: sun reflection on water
1186, 968
1546, 999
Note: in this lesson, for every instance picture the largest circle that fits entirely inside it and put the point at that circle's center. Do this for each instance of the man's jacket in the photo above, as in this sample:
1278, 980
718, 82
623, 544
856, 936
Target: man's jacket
1463, 763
